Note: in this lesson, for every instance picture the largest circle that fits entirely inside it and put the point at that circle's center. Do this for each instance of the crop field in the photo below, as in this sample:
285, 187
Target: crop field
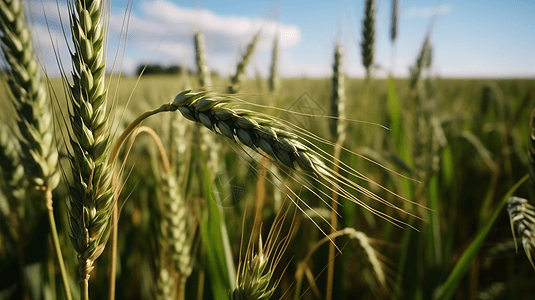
199, 186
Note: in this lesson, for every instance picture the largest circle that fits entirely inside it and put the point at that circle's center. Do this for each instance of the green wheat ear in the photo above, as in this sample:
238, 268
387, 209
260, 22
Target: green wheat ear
338, 98
422, 63
368, 36
394, 19
522, 219
254, 277
13, 178
274, 78
91, 192
202, 69
239, 77
38, 151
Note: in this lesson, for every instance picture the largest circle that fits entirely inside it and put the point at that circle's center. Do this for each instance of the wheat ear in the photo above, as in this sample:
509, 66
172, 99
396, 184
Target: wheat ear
13, 186
275, 139
283, 143
91, 192
368, 36
255, 270
423, 62
338, 98
522, 218
39, 155
209, 144
394, 20
202, 69
12, 171
372, 257
38, 151
274, 78
239, 76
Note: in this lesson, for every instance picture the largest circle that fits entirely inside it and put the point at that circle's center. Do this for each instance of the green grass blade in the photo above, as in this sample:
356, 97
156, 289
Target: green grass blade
214, 236
404, 151
434, 236
463, 265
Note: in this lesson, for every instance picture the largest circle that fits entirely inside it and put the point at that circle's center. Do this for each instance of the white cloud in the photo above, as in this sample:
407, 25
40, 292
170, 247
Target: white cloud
164, 31
427, 12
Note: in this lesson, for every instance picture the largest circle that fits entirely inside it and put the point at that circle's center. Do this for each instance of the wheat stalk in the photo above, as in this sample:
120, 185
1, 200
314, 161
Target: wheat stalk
239, 76
274, 78
91, 192
522, 219
337, 126
175, 223
368, 36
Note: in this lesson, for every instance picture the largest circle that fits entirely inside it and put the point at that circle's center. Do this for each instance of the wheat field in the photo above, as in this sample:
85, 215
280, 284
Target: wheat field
199, 186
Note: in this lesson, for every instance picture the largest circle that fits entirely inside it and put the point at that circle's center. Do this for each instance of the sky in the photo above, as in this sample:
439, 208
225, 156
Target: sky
469, 38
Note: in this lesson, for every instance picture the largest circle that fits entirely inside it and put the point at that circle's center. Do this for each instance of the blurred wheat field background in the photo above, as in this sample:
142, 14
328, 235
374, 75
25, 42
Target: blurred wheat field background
232, 198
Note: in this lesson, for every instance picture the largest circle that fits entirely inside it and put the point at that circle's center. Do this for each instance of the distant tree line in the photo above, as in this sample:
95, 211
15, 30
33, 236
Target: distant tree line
157, 69
154, 69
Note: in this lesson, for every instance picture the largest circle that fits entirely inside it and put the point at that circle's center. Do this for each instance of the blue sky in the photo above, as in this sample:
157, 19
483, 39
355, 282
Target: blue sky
470, 38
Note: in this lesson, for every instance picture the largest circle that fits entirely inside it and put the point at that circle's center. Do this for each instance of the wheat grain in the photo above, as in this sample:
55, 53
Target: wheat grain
91, 192
164, 285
